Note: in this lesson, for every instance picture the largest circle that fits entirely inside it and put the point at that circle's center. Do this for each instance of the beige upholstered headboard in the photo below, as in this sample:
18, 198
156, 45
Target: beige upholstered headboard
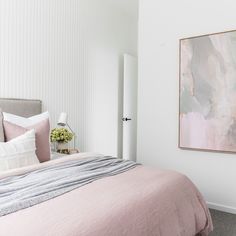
21, 107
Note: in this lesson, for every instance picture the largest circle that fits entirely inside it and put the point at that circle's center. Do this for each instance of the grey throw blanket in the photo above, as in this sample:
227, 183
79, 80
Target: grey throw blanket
22, 191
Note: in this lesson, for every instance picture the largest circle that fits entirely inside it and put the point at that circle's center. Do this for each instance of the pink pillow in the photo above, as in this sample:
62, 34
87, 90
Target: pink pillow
42, 130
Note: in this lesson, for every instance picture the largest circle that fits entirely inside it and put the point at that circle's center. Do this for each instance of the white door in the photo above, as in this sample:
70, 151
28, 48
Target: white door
130, 107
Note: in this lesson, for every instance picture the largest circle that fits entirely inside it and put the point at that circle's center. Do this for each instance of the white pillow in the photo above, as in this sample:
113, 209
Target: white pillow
25, 122
18, 152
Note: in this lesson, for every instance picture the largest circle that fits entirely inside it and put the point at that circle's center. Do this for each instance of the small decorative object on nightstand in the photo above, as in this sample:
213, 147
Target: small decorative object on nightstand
73, 151
61, 137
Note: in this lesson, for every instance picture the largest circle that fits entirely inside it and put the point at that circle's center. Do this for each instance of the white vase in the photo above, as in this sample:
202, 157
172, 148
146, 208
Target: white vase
62, 146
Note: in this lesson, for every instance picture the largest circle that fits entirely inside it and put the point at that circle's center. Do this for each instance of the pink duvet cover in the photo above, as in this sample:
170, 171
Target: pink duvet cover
140, 202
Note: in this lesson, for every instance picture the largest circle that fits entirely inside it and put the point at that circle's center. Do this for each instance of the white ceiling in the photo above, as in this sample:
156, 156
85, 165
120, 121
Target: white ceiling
130, 7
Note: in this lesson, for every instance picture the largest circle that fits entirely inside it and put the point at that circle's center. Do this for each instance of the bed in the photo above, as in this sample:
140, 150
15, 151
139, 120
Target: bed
104, 196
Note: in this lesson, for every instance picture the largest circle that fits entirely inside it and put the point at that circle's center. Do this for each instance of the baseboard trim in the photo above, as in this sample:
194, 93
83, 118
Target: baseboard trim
220, 207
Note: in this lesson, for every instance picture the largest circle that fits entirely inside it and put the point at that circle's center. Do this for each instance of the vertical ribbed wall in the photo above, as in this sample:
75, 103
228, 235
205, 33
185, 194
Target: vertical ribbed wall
66, 53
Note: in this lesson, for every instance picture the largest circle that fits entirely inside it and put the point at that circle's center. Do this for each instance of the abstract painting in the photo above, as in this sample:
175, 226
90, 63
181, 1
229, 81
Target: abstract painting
207, 117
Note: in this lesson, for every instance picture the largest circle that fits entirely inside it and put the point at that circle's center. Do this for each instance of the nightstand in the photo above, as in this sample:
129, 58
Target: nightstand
56, 155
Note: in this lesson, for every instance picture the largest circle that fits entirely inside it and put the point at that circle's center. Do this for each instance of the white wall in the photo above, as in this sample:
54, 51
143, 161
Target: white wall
68, 54
161, 24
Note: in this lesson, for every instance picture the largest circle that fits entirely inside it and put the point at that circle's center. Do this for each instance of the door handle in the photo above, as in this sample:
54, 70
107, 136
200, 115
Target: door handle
126, 119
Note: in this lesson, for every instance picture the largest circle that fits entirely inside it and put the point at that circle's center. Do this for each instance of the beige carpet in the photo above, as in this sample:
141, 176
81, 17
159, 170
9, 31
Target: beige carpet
224, 223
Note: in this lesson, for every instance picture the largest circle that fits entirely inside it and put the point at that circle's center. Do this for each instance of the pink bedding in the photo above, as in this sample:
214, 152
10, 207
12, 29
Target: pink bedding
140, 202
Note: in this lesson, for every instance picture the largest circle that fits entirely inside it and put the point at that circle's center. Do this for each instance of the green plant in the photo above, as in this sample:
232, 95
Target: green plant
61, 135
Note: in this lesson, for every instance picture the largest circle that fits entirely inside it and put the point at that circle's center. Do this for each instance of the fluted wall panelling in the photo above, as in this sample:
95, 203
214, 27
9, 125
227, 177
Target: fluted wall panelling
67, 53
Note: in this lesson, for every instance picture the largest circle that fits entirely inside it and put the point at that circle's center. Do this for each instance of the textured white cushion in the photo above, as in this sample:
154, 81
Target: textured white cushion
18, 152
25, 122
